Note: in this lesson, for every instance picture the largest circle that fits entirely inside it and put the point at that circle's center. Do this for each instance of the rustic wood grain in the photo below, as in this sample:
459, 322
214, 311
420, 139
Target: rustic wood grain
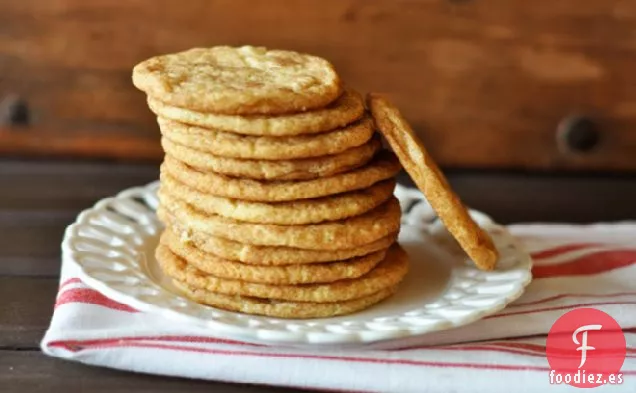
77, 143
518, 197
39, 199
30, 242
32, 372
66, 185
485, 82
25, 310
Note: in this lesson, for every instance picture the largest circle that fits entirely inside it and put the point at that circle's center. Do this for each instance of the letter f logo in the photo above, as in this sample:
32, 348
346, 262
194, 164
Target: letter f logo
584, 347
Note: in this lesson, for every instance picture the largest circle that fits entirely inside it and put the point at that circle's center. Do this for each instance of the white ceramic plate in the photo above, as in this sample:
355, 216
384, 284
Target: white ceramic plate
113, 245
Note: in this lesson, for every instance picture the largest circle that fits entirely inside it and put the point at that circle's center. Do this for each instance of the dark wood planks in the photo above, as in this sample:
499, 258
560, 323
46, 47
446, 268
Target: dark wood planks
64, 142
39, 199
27, 371
484, 82
524, 197
66, 185
25, 310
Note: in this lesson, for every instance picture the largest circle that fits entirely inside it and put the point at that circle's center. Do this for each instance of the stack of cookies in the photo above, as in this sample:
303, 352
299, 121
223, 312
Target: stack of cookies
276, 194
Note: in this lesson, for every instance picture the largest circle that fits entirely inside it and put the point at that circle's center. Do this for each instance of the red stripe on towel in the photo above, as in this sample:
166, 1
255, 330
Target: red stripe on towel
69, 282
565, 307
182, 339
552, 252
594, 263
90, 296
407, 362
566, 295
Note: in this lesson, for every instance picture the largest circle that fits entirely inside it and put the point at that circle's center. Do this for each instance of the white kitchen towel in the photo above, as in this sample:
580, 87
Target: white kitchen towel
574, 266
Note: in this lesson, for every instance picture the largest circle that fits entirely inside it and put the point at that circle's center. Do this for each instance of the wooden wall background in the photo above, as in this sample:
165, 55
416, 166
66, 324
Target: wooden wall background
485, 82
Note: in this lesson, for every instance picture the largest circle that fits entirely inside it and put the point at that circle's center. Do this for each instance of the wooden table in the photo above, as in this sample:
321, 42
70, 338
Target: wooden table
38, 199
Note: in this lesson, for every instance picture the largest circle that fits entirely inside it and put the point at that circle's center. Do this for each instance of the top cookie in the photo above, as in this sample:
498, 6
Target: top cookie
239, 81
430, 180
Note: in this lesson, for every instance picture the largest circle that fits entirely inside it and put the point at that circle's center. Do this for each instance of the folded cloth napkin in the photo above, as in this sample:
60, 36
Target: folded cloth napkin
575, 266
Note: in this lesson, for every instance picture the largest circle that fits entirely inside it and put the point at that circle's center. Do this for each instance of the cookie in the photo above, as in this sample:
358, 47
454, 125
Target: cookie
304, 211
229, 144
382, 167
348, 108
334, 235
281, 309
285, 275
386, 274
430, 180
239, 80
300, 169
271, 256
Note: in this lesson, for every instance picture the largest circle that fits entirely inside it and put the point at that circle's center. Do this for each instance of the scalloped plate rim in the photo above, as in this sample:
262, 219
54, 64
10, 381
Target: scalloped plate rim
259, 335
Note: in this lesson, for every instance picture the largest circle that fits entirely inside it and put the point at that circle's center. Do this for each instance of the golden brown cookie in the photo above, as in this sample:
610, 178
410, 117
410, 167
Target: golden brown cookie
299, 169
304, 211
334, 235
348, 108
386, 274
281, 309
229, 144
286, 275
430, 180
239, 80
382, 167
271, 256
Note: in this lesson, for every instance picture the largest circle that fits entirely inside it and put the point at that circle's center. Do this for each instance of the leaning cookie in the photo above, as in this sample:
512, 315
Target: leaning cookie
430, 180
